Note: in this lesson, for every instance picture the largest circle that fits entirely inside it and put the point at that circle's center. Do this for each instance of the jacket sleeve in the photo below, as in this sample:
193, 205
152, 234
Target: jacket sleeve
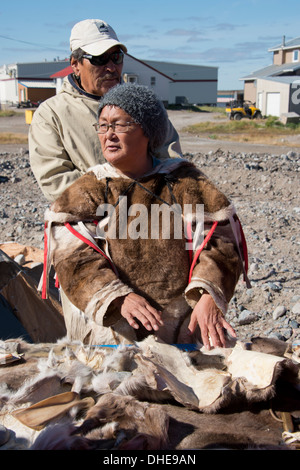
87, 276
50, 163
221, 261
217, 269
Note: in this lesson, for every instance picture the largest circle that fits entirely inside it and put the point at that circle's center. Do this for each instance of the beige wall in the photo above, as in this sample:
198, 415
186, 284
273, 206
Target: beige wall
278, 57
288, 57
267, 86
250, 91
283, 57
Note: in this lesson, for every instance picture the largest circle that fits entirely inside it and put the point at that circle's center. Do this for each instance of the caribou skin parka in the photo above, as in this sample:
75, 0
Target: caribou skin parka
97, 261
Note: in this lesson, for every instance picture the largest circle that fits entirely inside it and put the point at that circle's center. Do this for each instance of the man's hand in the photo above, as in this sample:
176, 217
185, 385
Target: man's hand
135, 306
211, 322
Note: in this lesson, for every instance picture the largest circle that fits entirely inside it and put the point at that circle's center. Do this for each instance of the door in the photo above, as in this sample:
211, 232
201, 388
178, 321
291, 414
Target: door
273, 104
259, 100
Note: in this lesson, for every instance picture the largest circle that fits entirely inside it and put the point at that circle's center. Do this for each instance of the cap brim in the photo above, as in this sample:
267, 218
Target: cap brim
101, 47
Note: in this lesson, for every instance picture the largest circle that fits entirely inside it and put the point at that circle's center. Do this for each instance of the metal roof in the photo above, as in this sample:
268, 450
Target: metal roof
185, 72
292, 44
63, 73
174, 71
287, 80
273, 71
39, 70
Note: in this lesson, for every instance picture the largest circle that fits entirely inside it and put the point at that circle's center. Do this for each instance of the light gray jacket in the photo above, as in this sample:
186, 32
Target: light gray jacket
63, 143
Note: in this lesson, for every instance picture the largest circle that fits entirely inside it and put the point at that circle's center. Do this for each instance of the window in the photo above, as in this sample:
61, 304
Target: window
130, 78
152, 81
296, 56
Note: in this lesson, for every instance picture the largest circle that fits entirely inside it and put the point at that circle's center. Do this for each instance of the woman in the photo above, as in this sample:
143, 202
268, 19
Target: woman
144, 280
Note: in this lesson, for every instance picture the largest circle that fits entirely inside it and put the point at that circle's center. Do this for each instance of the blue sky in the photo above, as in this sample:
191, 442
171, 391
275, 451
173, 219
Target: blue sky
233, 35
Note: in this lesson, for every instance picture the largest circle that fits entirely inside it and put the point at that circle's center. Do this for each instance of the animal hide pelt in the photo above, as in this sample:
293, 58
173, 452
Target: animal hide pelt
71, 396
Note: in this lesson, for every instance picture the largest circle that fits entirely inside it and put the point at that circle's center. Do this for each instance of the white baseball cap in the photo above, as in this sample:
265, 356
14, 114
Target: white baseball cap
94, 37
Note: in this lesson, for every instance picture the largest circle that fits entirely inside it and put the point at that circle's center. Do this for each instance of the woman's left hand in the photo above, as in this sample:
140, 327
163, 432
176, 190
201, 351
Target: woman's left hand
211, 322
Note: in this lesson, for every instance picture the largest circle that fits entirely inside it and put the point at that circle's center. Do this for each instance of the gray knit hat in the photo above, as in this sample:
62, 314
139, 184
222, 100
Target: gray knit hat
143, 106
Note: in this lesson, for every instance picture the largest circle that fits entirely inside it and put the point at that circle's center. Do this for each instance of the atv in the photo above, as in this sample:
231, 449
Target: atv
237, 110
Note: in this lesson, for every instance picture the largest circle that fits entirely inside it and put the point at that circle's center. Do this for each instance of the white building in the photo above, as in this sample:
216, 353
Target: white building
27, 81
173, 83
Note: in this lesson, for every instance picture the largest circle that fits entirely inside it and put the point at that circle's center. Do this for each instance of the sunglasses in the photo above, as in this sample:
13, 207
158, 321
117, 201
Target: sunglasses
103, 59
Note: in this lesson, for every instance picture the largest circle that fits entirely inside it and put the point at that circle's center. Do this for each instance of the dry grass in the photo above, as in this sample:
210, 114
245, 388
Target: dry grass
7, 113
13, 138
266, 131
279, 139
213, 109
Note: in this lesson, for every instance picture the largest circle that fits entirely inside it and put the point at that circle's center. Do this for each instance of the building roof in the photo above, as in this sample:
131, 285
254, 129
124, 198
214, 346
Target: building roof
183, 72
288, 80
39, 70
292, 44
62, 73
173, 71
273, 71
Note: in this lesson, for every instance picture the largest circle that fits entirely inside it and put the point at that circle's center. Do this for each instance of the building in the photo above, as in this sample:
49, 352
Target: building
175, 84
27, 81
276, 89
225, 96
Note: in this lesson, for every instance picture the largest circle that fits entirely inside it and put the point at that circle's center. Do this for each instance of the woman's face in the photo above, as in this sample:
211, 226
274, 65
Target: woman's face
127, 151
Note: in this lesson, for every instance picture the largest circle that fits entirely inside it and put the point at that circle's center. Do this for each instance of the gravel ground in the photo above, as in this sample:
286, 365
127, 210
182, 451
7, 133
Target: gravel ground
262, 182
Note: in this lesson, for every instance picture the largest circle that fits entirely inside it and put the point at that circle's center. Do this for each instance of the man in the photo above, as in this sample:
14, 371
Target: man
63, 143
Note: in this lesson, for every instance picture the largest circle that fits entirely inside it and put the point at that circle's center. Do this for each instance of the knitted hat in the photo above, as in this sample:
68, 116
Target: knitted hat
144, 107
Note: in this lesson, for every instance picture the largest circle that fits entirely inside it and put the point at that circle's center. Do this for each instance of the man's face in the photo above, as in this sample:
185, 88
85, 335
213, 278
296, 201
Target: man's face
95, 79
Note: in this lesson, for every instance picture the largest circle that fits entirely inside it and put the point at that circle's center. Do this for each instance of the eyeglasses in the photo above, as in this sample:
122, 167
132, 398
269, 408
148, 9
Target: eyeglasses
117, 127
103, 59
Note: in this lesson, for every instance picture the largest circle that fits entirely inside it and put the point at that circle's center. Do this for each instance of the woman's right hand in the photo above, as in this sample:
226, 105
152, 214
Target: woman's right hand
135, 306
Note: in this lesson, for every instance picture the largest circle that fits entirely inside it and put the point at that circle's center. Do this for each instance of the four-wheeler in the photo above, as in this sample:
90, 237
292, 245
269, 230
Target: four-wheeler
237, 110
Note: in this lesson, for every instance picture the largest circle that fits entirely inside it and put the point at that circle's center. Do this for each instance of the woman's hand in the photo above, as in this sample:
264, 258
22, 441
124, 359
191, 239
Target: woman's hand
211, 322
135, 306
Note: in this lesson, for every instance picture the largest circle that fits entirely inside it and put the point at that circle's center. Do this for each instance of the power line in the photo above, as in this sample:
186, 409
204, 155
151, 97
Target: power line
33, 44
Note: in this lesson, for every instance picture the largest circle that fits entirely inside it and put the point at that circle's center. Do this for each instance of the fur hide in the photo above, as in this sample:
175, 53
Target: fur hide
70, 396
